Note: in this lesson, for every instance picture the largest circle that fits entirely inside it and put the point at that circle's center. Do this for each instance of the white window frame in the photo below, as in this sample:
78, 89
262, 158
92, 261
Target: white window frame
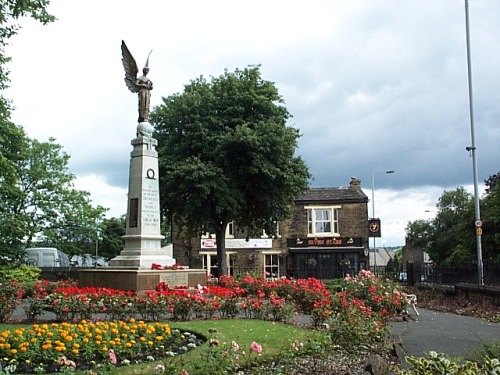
230, 230
311, 221
274, 255
206, 262
277, 235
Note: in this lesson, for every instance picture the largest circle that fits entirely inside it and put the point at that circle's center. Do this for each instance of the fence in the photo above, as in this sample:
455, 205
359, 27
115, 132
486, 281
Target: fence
440, 275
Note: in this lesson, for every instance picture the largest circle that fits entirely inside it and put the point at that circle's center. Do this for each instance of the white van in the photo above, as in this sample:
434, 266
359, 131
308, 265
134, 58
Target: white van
46, 257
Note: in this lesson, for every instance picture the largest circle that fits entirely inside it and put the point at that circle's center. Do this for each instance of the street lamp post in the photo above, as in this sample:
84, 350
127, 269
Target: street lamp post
373, 217
472, 151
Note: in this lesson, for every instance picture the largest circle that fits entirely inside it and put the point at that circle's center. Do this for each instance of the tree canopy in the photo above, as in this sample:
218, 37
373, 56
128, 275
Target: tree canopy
450, 237
226, 154
38, 200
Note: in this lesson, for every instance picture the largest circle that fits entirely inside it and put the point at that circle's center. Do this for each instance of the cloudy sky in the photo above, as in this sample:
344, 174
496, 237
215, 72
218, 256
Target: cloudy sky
373, 85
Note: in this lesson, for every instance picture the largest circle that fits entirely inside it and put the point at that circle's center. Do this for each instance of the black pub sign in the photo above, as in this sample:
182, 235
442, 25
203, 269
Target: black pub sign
325, 242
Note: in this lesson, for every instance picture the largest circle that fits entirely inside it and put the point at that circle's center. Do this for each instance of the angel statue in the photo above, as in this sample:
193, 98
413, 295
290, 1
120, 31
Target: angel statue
141, 85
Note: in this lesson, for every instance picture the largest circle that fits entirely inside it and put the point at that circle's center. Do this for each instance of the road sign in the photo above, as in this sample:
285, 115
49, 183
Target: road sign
478, 223
479, 231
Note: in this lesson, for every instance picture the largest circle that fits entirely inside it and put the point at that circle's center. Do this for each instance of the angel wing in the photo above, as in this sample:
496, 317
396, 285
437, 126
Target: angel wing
130, 67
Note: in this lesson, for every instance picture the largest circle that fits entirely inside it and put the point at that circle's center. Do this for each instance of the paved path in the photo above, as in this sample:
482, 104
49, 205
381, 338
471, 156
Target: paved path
454, 335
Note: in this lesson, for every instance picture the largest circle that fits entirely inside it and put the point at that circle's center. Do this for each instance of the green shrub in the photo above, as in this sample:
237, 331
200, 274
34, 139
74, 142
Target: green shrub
11, 293
21, 274
489, 349
439, 363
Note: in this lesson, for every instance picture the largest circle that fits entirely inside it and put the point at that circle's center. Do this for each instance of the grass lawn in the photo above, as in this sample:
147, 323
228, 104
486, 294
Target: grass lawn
274, 337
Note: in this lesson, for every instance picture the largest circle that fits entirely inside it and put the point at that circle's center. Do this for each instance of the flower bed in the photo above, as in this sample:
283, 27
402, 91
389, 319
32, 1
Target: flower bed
352, 312
52, 347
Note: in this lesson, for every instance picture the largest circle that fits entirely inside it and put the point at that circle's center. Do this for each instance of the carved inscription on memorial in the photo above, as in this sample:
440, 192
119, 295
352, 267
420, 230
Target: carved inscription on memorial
150, 206
133, 212
173, 279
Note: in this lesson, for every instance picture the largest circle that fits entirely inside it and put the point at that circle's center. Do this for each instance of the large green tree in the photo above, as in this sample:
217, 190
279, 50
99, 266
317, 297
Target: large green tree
37, 196
12, 138
112, 242
490, 213
450, 237
227, 154
13, 143
39, 202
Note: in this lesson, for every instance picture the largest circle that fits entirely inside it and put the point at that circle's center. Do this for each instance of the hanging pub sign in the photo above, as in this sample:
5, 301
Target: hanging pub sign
374, 228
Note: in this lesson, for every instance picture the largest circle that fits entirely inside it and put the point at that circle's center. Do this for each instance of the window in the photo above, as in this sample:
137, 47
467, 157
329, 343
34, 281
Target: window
322, 221
205, 233
230, 230
277, 234
210, 263
272, 266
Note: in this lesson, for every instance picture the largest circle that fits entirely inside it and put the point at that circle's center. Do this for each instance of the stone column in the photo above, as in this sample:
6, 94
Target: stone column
143, 237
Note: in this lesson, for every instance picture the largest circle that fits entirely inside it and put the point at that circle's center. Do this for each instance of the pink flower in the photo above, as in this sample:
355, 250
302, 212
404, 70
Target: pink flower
235, 346
256, 347
112, 357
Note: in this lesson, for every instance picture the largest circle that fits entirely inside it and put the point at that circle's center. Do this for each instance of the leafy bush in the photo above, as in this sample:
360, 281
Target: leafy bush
489, 349
11, 293
21, 274
439, 363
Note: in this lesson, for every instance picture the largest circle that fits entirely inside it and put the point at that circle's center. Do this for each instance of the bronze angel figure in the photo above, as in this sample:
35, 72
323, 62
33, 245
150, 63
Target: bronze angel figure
141, 85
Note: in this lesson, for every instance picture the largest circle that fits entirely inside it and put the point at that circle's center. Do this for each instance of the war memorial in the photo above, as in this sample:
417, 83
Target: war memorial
136, 268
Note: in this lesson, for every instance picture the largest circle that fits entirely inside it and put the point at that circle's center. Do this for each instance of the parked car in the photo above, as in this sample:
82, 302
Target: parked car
46, 257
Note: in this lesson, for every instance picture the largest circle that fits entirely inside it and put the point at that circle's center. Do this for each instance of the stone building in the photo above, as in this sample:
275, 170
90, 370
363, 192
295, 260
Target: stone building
326, 237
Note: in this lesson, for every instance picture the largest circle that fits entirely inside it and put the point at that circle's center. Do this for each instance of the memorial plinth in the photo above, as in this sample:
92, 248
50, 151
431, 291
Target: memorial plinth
140, 280
143, 236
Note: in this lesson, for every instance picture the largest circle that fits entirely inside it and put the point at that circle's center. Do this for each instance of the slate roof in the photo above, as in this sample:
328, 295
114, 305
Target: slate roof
333, 194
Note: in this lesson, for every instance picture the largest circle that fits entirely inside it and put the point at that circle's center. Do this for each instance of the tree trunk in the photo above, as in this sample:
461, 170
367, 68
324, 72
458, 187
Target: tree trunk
220, 237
